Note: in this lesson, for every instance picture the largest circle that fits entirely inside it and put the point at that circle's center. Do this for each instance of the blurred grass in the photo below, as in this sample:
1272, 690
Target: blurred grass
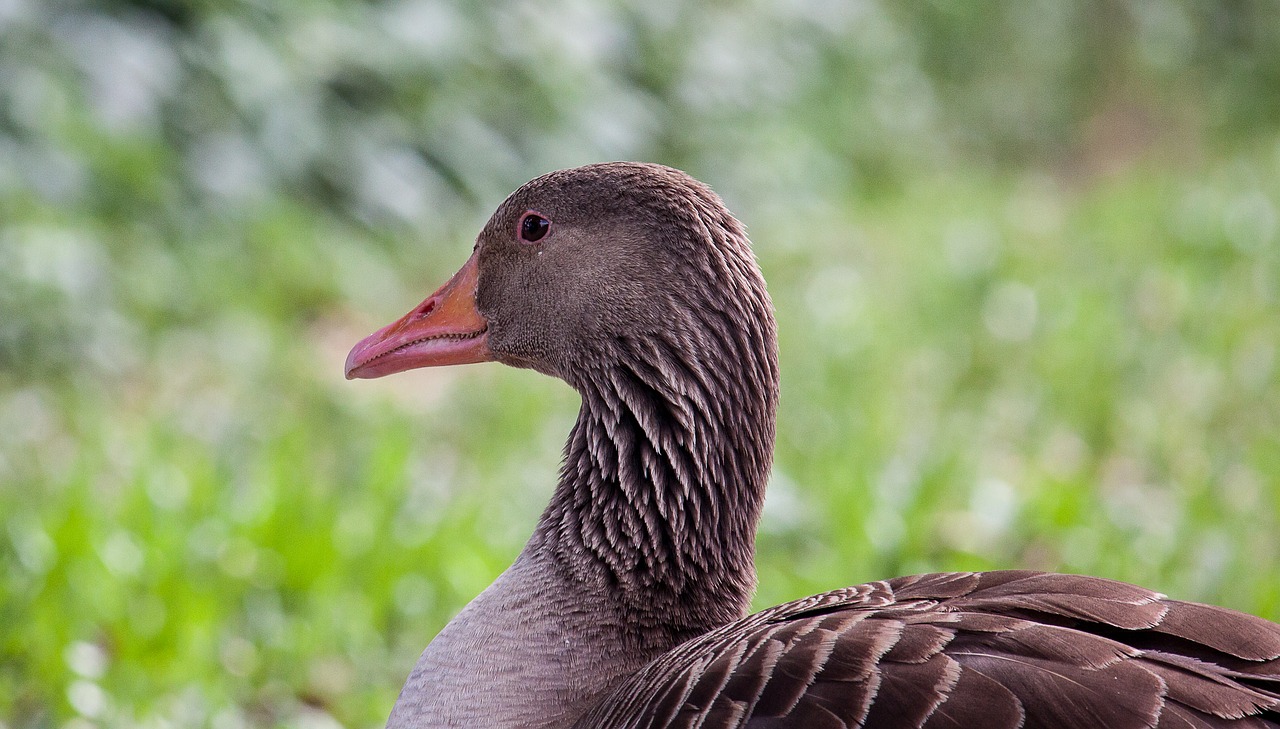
1024, 259
975, 376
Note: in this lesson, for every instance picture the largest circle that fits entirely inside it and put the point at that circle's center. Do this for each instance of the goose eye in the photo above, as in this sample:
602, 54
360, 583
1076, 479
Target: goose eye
533, 227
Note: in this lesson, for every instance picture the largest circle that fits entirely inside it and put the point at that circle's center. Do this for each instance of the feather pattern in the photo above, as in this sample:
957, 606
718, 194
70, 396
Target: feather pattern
995, 649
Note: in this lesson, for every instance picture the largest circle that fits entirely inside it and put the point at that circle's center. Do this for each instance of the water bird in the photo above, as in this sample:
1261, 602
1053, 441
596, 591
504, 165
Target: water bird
627, 607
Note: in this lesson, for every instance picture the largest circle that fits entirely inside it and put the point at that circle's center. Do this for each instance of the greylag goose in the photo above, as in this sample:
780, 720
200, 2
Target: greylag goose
633, 284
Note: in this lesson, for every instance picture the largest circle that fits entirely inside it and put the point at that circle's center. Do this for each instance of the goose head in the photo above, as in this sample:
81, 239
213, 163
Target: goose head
584, 270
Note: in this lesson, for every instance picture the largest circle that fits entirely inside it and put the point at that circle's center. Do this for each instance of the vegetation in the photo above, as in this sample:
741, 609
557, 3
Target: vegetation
1024, 258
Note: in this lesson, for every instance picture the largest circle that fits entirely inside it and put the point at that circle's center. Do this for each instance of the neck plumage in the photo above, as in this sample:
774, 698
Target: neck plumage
664, 477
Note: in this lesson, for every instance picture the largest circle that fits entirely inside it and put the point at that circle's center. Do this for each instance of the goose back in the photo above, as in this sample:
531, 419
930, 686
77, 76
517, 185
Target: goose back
999, 650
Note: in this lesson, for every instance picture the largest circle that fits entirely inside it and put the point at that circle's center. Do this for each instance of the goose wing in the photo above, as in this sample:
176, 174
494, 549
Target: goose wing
990, 650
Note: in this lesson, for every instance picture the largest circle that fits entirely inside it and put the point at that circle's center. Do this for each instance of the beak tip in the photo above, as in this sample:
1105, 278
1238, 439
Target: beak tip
352, 364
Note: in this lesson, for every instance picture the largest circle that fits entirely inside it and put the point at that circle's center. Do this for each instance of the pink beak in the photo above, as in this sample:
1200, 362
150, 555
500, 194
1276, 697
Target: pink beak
446, 329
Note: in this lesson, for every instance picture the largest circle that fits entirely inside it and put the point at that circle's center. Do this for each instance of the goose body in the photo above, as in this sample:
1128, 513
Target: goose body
627, 607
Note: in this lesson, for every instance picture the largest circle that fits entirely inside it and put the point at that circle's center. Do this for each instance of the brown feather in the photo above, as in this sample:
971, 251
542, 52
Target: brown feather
910, 692
1231, 632
966, 659
977, 701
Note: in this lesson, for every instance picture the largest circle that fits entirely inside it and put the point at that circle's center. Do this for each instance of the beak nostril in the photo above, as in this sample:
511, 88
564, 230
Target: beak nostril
427, 307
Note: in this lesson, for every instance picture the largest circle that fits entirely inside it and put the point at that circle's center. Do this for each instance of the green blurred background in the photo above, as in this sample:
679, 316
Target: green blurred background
1024, 256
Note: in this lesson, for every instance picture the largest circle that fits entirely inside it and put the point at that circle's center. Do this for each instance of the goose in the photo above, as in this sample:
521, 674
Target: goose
632, 283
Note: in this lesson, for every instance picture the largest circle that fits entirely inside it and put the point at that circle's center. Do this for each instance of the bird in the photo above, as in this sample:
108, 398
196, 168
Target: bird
633, 284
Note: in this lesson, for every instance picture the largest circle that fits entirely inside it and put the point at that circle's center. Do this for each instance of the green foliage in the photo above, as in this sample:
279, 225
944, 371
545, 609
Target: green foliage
1024, 258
